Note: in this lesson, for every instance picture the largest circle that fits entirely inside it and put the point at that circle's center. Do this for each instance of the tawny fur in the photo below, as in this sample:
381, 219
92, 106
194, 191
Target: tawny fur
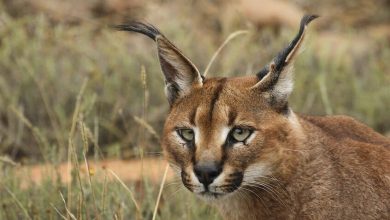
331, 167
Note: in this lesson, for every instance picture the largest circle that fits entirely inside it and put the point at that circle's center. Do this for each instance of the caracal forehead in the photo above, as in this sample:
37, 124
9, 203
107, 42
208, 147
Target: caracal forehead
217, 101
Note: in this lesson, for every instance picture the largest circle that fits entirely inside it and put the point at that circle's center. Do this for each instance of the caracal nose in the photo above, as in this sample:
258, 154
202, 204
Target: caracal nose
206, 173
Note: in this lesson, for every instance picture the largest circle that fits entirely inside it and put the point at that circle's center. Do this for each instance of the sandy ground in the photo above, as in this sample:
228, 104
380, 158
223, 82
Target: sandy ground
127, 170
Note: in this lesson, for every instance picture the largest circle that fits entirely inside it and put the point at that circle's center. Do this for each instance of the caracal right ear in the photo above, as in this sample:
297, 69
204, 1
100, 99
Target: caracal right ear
180, 73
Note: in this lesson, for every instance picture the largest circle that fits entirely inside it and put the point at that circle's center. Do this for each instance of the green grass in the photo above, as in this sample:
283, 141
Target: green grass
44, 65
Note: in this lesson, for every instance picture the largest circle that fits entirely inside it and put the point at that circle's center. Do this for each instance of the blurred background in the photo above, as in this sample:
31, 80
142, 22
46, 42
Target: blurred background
72, 88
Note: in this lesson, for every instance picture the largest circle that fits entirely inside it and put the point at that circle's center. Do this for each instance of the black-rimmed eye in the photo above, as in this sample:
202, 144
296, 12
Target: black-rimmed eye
186, 134
240, 134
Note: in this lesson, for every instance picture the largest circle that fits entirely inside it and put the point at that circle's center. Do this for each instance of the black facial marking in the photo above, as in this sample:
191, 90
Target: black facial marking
186, 180
232, 117
224, 155
175, 156
236, 182
215, 97
233, 182
193, 116
193, 154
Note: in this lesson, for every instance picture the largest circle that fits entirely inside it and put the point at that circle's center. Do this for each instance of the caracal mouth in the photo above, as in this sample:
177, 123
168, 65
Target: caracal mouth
210, 196
213, 196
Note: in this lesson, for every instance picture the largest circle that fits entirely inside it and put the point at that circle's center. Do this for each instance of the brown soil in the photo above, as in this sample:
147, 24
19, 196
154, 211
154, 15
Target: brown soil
127, 170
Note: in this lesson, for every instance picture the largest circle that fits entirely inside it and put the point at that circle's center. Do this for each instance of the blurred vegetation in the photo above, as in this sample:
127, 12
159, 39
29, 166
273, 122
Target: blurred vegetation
43, 64
104, 198
48, 52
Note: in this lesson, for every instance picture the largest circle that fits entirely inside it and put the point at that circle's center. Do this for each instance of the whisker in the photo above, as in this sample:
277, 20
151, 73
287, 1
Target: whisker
269, 189
268, 177
171, 184
261, 200
175, 193
174, 181
274, 180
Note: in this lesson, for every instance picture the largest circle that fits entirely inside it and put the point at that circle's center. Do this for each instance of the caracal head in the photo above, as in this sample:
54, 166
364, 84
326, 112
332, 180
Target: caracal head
224, 134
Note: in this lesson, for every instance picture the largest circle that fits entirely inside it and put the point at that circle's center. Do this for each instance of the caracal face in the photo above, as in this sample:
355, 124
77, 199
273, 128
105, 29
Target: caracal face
218, 140
225, 134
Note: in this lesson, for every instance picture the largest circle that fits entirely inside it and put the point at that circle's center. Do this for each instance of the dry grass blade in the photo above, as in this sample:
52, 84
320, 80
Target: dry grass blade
71, 150
58, 211
7, 160
85, 141
66, 208
228, 39
18, 202
324, 94
103, 202
45, 99
148, 127
128, 190
35, 131
160, 192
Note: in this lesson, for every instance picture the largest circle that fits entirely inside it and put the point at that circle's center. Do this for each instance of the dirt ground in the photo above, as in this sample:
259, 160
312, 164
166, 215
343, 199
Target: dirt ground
127, 170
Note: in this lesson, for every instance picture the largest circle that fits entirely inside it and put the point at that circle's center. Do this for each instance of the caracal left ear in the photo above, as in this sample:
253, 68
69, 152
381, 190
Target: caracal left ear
180, 73
276, 79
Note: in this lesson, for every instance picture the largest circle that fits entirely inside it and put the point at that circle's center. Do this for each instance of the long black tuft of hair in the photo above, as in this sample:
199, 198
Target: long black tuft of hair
280, 61
139, 27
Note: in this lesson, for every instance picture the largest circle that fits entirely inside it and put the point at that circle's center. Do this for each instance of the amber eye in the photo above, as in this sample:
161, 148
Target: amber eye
186, 134
240, 134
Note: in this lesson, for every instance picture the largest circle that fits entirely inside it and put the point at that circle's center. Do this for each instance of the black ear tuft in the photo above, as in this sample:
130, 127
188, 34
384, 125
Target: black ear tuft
181, 75
139, 27
284, 56
275, 79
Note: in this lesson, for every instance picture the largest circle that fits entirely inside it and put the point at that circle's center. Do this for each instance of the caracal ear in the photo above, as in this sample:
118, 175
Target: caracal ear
276, 79
180, 73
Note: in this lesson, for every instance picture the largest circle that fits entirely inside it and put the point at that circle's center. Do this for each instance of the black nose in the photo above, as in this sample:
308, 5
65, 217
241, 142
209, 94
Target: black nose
206, 173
